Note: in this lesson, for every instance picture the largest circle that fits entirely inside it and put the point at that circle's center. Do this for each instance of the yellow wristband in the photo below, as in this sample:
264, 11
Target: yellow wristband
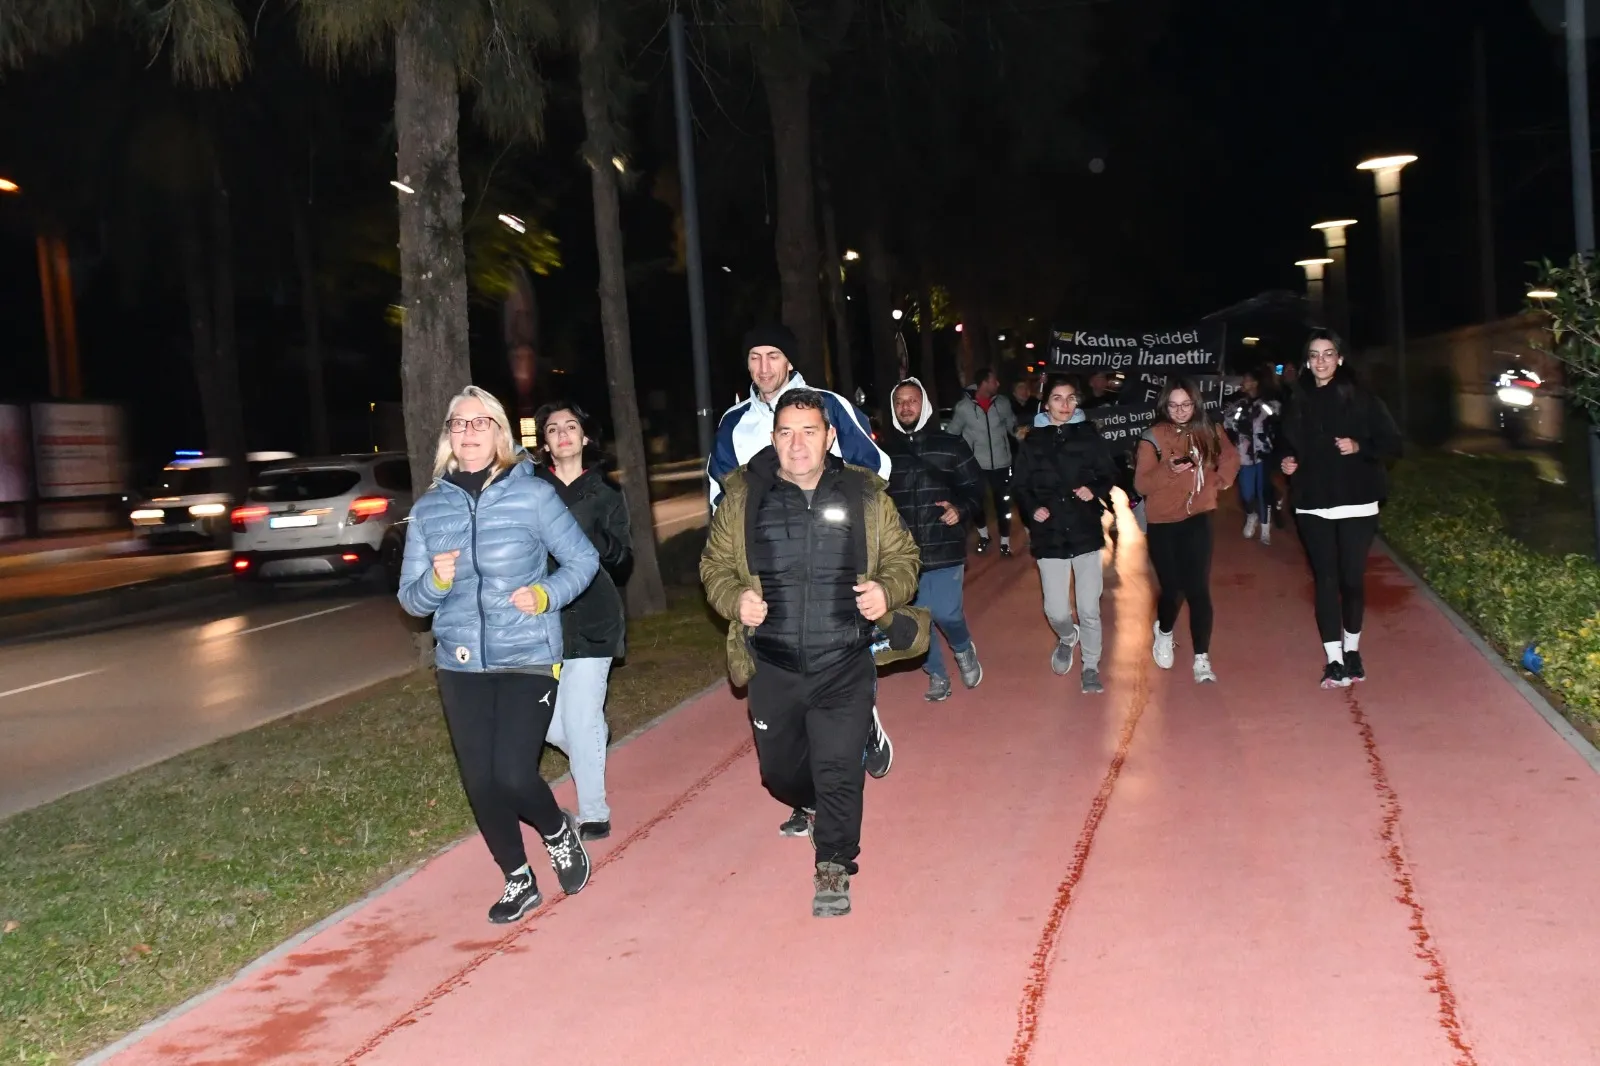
442, 586
541, 599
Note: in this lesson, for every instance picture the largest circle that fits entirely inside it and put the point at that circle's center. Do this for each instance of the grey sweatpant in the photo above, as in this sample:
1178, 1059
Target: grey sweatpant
1083, 573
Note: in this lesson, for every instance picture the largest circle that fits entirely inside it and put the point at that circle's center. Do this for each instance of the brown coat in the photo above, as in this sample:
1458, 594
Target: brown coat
1173, 495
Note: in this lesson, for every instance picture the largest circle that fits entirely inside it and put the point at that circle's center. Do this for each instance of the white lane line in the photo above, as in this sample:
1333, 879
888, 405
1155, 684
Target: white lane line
47, 684
296, 618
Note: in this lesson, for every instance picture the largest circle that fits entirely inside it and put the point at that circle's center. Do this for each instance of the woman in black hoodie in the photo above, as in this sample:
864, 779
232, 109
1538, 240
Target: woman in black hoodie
1336, 438
593, 626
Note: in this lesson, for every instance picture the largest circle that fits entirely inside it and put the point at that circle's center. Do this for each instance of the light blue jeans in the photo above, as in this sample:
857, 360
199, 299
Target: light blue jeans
578, 728
940, 592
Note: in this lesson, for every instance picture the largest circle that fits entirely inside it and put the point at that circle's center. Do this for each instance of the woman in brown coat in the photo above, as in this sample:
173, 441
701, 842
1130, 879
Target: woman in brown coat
1184, 460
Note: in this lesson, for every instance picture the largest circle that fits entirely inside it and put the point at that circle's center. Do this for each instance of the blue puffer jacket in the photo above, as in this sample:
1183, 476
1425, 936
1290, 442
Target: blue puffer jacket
505, 537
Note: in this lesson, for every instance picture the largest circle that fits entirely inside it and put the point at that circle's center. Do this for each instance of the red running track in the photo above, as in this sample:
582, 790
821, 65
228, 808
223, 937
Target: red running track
1251, 872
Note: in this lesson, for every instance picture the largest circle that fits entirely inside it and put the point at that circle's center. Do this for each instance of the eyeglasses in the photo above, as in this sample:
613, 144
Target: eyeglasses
1329, 354
1187, 406
483, 423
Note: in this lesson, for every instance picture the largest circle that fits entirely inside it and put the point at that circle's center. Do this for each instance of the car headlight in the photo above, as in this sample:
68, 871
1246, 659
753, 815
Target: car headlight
1515, 397
147, 515
207, 510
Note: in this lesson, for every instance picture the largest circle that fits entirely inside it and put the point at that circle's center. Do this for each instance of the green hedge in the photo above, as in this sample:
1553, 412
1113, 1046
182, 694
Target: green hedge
1448, 516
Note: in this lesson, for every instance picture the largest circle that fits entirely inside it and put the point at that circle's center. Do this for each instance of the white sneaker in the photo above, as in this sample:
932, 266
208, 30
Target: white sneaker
1250, 525
1162, 648
1203, 674
1266, 534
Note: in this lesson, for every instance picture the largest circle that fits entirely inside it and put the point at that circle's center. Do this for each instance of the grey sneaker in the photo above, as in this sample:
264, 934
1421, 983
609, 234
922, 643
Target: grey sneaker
1061, 658
971, 668
832, 898
1091, 681
938, 689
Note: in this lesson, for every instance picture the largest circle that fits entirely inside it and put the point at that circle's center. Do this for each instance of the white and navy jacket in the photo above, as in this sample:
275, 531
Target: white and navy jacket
746, 428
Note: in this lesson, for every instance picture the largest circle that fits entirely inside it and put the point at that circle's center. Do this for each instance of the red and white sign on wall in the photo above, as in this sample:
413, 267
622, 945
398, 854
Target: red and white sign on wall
77, 449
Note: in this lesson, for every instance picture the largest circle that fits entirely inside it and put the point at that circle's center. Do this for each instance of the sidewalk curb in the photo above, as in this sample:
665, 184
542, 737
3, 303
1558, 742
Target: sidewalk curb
1557, 721
22, 562
114, 605
106, 1054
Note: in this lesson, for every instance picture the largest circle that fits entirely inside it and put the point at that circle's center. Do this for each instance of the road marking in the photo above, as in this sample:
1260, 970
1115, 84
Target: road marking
296, 618
47, 684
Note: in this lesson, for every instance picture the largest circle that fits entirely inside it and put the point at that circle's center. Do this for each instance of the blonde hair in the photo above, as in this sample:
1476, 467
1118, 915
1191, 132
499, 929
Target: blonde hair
505, 456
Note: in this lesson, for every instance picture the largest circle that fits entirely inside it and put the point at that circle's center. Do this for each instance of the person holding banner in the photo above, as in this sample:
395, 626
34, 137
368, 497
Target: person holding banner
1184, 460
1337, 436
1062, 472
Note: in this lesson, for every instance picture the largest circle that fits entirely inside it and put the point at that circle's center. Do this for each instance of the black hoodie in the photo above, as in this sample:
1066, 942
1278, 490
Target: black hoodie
593, 626
1314, 419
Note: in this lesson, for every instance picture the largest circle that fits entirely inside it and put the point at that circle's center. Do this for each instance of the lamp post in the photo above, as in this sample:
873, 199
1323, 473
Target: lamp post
1314, 272
1386, 179
1338, 281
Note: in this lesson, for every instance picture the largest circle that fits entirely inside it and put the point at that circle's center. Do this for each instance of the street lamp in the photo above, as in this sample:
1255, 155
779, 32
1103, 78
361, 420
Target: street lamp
1338, 283
7, 185
851, 256
897, 314
1313, 269
1542, 294
1386, 179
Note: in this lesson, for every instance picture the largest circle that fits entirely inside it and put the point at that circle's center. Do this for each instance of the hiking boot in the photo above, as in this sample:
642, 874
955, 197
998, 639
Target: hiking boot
983, 545
594, 830
798, 824
568, 856
1203, 674
971, 669
1353, 668
938, 689
1091, 681
832, 898
1333, 676
520, 897
1251, 525
879, 755
1162, 649
1061, 657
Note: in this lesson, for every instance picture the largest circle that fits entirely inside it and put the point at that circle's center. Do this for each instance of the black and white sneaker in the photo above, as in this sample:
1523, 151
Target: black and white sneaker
520, 897
983, 545
1353, 669
879, 754
568, 856
798, 824
1333, 676
1005, 551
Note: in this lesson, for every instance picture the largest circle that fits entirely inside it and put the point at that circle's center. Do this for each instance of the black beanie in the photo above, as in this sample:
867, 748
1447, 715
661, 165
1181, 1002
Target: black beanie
776, 336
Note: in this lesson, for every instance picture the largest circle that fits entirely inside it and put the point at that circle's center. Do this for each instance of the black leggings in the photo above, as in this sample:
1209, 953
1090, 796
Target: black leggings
1181, 554
1337, 548
498, 721
999, 483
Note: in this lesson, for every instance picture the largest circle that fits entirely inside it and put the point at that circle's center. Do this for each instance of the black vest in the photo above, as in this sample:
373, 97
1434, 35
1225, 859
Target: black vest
806, 557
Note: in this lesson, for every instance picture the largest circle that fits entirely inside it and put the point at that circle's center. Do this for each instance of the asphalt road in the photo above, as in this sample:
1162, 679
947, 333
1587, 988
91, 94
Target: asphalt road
75, 711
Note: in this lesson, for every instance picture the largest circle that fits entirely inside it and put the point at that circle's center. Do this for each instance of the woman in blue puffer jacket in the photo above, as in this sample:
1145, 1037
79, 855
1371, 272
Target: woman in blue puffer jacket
476, 553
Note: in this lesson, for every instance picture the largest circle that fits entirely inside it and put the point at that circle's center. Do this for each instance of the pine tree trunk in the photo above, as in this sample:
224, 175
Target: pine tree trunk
202, 332
844, 375
311, 323
645, 592
789, 103
880, 305
229, 394
434, 362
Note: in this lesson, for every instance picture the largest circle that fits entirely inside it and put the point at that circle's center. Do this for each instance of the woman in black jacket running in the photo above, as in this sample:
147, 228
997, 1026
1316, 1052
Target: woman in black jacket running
1336, 439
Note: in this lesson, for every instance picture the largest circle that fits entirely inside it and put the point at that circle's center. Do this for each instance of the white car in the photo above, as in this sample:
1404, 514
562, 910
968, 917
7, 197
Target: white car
190, 500
339, 517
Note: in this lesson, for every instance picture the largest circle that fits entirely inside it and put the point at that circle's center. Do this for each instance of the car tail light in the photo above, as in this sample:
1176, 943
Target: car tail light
241, 564
244, 515
350, 557
366, 507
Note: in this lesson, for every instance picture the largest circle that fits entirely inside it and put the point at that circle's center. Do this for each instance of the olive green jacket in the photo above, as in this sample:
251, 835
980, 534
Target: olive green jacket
893, 561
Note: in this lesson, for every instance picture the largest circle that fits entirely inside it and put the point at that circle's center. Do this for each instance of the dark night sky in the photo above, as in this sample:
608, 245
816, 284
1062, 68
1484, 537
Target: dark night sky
1239, 130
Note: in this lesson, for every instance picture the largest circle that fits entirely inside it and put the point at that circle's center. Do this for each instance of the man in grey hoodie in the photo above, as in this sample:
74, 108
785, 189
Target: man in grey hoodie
988, 423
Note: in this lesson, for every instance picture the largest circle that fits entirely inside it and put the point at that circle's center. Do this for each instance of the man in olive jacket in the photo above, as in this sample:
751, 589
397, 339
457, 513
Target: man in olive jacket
809, 561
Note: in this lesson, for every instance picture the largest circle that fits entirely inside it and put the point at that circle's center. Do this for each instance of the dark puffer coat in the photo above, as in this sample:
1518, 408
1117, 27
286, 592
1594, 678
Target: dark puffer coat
594, 626
929, 465
1052, 464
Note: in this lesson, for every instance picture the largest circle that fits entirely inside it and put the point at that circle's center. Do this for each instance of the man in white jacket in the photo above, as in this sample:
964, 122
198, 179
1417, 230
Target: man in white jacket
988, 423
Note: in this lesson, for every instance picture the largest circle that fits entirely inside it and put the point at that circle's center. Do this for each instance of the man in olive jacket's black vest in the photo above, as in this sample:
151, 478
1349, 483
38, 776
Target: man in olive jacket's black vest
937, 486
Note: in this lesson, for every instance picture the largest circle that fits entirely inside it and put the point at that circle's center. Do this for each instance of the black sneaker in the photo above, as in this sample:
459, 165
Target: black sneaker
569, 858
520, 897
1333, 676
879, 755
1005, 551
594, 830
1353, 668
798, 824
983, 545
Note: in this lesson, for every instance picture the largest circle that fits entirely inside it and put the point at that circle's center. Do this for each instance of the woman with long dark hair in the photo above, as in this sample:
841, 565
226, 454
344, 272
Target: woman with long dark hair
1184, 460
478, 547
594, 628
1336, 438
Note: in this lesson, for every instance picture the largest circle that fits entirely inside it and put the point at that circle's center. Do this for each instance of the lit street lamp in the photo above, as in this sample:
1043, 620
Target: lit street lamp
1313, 269
1386, 178
7, 185
1338, 280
